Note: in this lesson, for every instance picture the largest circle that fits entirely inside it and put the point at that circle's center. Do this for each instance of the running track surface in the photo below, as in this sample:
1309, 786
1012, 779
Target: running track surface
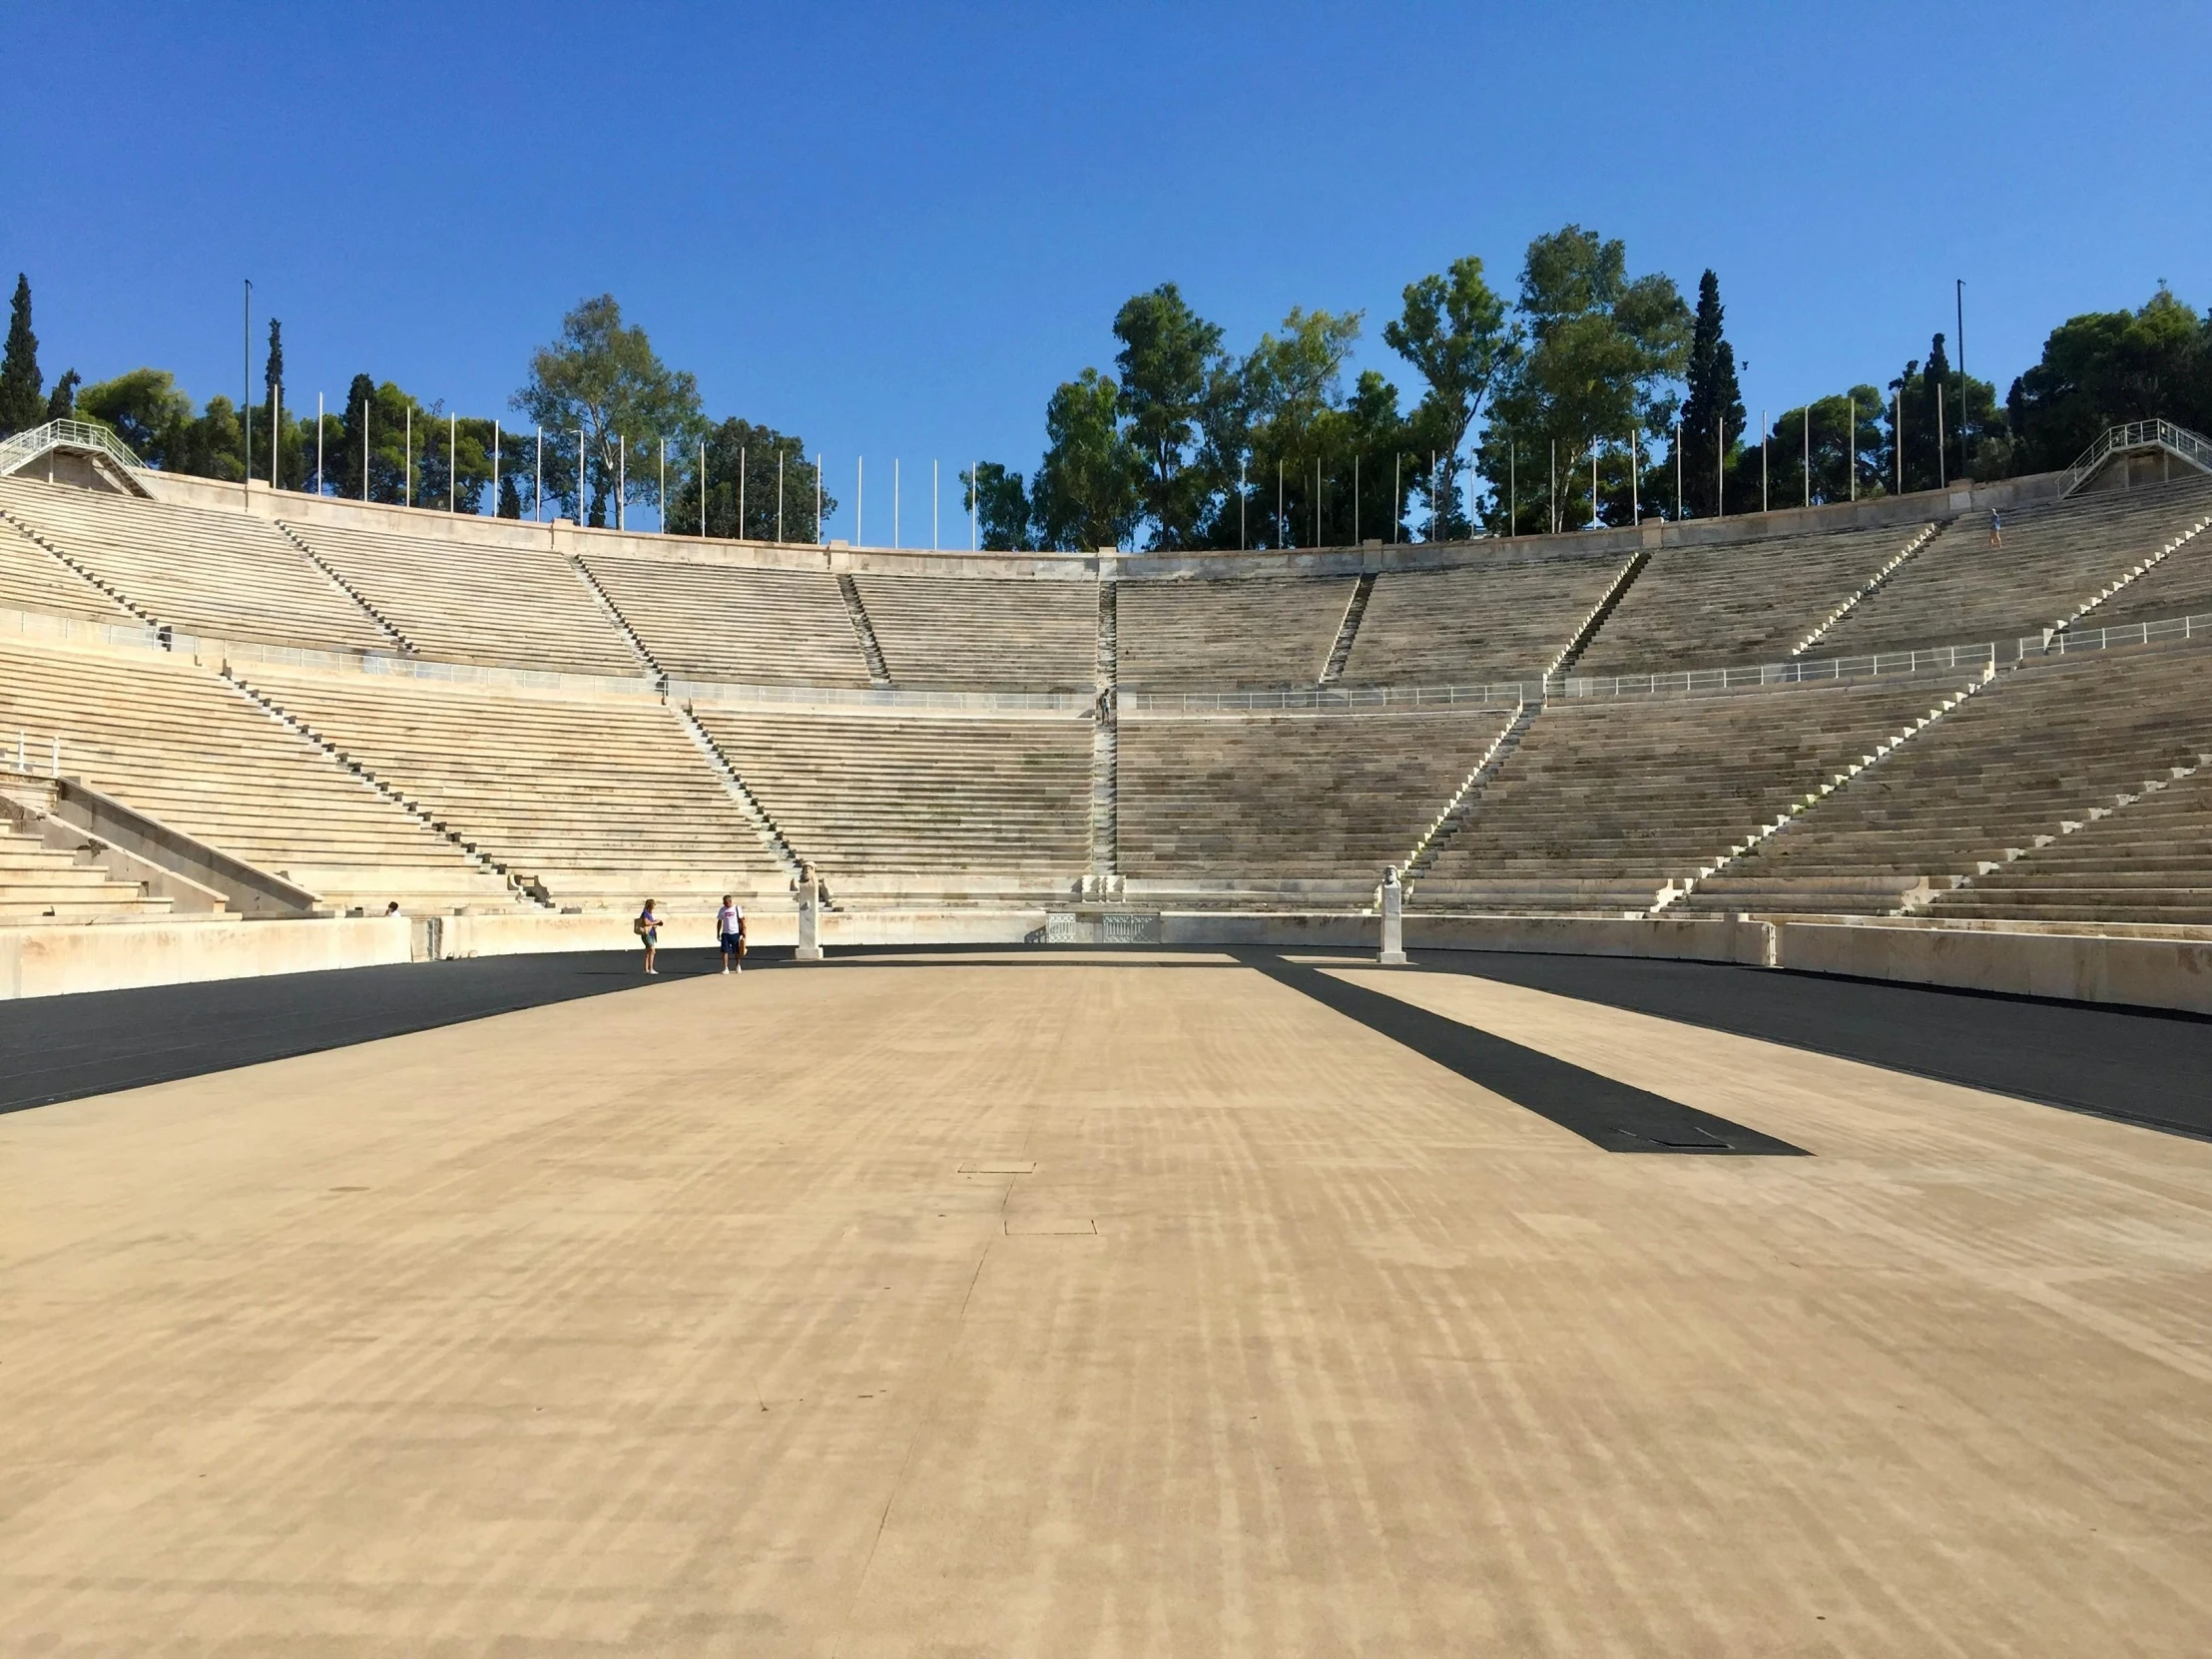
2139, 1066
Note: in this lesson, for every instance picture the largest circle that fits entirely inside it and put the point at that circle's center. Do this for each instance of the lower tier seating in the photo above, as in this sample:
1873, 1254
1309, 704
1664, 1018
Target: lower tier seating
175, 742
601, 802
2149, 860
1604, 802
2049, 741
901, 796
1288, 798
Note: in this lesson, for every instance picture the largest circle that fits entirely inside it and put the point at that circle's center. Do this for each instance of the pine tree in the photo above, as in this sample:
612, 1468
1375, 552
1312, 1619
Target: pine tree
1713, 397
21, 407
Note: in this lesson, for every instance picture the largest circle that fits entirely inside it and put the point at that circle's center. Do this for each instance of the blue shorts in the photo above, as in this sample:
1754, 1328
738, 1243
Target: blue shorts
731, 943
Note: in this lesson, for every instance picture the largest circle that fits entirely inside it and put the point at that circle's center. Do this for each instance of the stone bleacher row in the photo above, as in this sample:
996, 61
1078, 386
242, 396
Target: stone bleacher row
599, 797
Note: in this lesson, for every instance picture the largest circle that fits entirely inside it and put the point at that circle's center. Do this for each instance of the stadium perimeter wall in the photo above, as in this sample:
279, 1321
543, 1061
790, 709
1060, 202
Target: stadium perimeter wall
565, 538
2142, 970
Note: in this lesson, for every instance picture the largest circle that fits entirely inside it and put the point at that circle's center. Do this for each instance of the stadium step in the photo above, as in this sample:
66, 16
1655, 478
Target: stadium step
1873, 584
1439, 835
879, 672
747, 804
1580, 642
1348, 631
606, 603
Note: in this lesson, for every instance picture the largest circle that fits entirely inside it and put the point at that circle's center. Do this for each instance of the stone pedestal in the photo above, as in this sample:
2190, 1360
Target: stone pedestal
1392, 953
810, 921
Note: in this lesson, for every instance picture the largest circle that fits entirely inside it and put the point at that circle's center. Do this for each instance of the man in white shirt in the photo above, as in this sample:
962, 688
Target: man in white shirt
730, 925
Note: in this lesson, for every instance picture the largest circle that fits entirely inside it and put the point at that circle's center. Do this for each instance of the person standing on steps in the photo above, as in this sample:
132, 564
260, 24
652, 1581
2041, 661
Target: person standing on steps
648, 928
730, 929
1996, 529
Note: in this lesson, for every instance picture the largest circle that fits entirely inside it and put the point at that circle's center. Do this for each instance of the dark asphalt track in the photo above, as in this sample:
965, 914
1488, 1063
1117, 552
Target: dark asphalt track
2138, 1067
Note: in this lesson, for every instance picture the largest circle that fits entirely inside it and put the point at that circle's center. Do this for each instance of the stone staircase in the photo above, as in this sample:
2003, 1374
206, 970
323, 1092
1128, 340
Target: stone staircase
1439, 835
1873, 584
879, 672
1106, 745
1563, 664
1348, 631
39, 884
615, 616
748, 802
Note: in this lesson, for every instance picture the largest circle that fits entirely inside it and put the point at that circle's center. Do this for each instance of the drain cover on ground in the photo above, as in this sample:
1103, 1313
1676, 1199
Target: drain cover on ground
1046, 1227
999, 1166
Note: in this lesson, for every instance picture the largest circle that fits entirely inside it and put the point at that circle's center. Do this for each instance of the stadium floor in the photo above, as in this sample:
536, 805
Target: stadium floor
976, 1302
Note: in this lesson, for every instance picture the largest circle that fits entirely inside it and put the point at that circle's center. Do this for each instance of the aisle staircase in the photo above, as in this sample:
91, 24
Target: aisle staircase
1873, 584
1347, 631
1447, 825
1106, 747
879, 672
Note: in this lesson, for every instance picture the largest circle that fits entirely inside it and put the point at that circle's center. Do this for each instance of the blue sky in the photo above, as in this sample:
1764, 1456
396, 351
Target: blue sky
895, 231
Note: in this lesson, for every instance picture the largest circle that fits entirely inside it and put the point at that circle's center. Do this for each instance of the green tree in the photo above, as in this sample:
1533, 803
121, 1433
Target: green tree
1844, 434
1599, 353
2104, 367
1453, 331
1923, 396
1088, 491
510, 497
738, 449
61, 402
212, 444
601, 381
1167, 358
1001, 507
21, 405
1289, 402
147, 411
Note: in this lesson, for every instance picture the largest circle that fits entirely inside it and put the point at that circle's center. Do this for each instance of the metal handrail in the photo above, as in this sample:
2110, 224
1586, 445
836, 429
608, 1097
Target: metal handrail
78, 434
2135, 434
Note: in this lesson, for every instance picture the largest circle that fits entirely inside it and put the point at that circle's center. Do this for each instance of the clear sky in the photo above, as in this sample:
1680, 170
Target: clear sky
892, 232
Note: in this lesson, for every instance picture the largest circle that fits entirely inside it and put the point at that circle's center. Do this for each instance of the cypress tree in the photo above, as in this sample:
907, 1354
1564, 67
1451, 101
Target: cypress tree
510, 498
61, 403
21, 407
354, 445
1714, 397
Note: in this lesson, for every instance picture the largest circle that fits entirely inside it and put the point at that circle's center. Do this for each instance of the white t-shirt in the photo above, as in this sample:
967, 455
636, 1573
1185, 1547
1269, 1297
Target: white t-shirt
730, 919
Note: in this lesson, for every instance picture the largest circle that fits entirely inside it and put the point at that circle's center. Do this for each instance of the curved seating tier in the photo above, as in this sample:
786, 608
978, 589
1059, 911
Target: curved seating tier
897, 795
172, 741
476, 601
2148, 860
1288, 798
1501, 619
602, 801
2056, 557
32, 579
1742, 602
1240, 631
1604, 802
755, 626
954, 632
221, 575
2046, 742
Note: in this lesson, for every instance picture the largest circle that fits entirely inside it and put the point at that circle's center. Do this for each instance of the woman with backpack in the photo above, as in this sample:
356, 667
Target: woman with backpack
648, 928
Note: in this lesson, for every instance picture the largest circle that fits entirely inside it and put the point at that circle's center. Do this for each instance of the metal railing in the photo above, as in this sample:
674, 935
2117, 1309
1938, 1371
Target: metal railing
883, 697
2135, 434
25, 757
1879, 665
2120, 635
77, 434
1331, 699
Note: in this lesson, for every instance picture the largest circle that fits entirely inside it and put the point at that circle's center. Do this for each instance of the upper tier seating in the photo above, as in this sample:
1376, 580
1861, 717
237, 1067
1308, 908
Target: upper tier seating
463, 602
899, 795
1744, 603
176, 742
1243, 632
962, 633
1474, 624
219, 575
739, 623
605, 800
1605, 801
1960, 590
2179, 584
1288, 798
44, 884
32, 579
2150, 860
2044, 743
